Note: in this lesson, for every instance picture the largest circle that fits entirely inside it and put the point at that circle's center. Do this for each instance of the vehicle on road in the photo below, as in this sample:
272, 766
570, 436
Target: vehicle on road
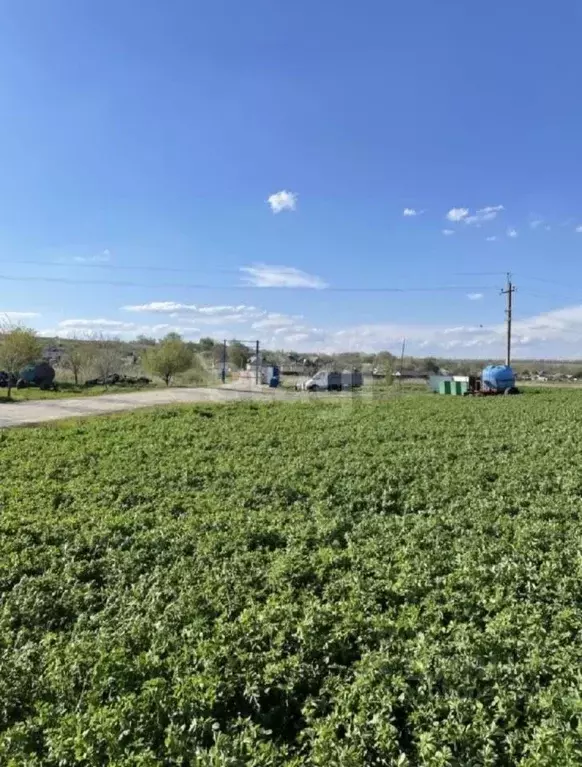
326, 380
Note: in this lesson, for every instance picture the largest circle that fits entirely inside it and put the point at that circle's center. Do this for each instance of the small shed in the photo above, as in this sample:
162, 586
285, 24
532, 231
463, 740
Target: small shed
457, 388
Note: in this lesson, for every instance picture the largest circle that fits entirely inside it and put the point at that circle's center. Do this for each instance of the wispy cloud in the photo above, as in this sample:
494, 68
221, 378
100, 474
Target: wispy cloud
202, 315
10, 316
492, 238
96, 324
126, 330
448, 232
83, 323
99, 258
537, 221
550, 334
266, 276
579, 229
276, 320
479, 217
412, 212
484, 214
457, 214
512, 232
282, 200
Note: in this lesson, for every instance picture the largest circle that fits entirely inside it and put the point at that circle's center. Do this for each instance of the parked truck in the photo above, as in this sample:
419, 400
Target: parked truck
326, 380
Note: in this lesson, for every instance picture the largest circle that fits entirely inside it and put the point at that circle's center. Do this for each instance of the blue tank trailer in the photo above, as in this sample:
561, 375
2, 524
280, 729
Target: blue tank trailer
42, 375
495, 379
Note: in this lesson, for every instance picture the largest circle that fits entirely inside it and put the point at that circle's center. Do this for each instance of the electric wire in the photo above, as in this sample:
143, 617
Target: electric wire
201, 286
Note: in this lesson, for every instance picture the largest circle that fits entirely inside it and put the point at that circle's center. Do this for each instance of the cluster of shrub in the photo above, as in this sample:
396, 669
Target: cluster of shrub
119, 380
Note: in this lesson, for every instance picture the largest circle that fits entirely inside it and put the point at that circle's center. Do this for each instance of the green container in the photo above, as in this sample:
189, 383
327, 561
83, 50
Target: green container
460, 387
457, 388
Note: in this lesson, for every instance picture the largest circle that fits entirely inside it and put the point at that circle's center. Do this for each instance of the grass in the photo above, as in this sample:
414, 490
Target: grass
369, 583
69, 390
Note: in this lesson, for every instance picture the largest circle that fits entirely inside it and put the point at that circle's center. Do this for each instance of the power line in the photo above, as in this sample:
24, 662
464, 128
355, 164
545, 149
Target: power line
548, 282
117, 267
181, 270
197, 286
560, 297
480, 274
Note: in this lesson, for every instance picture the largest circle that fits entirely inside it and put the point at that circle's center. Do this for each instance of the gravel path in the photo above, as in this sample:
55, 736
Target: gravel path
38, 411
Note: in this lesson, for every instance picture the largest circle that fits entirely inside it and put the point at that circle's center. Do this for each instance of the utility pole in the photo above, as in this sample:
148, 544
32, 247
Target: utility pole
223, 372
509, 291
257, 379
401, 362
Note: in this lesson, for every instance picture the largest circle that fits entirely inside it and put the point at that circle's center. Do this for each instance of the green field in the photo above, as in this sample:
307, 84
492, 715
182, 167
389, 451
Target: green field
394, 583
69, 390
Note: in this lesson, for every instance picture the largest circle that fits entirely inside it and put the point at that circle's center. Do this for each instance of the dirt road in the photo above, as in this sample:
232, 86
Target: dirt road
39, 411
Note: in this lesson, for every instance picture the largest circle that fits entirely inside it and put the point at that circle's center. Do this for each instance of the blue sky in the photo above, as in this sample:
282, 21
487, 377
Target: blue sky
141, 142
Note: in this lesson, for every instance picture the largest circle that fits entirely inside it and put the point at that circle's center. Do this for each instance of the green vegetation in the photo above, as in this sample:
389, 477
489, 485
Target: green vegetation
69, 390
390, 583
169, 357
79, 358
19, 347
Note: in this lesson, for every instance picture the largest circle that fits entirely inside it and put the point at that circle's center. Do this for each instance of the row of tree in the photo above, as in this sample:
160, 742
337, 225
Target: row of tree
20, 347
237, 353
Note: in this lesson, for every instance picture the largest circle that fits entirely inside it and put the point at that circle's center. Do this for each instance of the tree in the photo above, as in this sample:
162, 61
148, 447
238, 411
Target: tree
19, 347
144, 340
431, 365
107, 361
169, 357
269, 358
238, 354
78, 358
206, 344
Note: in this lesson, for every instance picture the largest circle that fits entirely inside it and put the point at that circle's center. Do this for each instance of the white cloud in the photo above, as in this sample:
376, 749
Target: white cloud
492, 238
282, 200
474, 296
552, 334
412, 212
579, 228
205, 314
224, 309
265, 276
448, 232
219, 319
160, 307
556, 333
484, 214
9, 316
302, 334
276, 320
535, 223
101, 324
296, 337
125, 330
99, 258
512, 232
457, 214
